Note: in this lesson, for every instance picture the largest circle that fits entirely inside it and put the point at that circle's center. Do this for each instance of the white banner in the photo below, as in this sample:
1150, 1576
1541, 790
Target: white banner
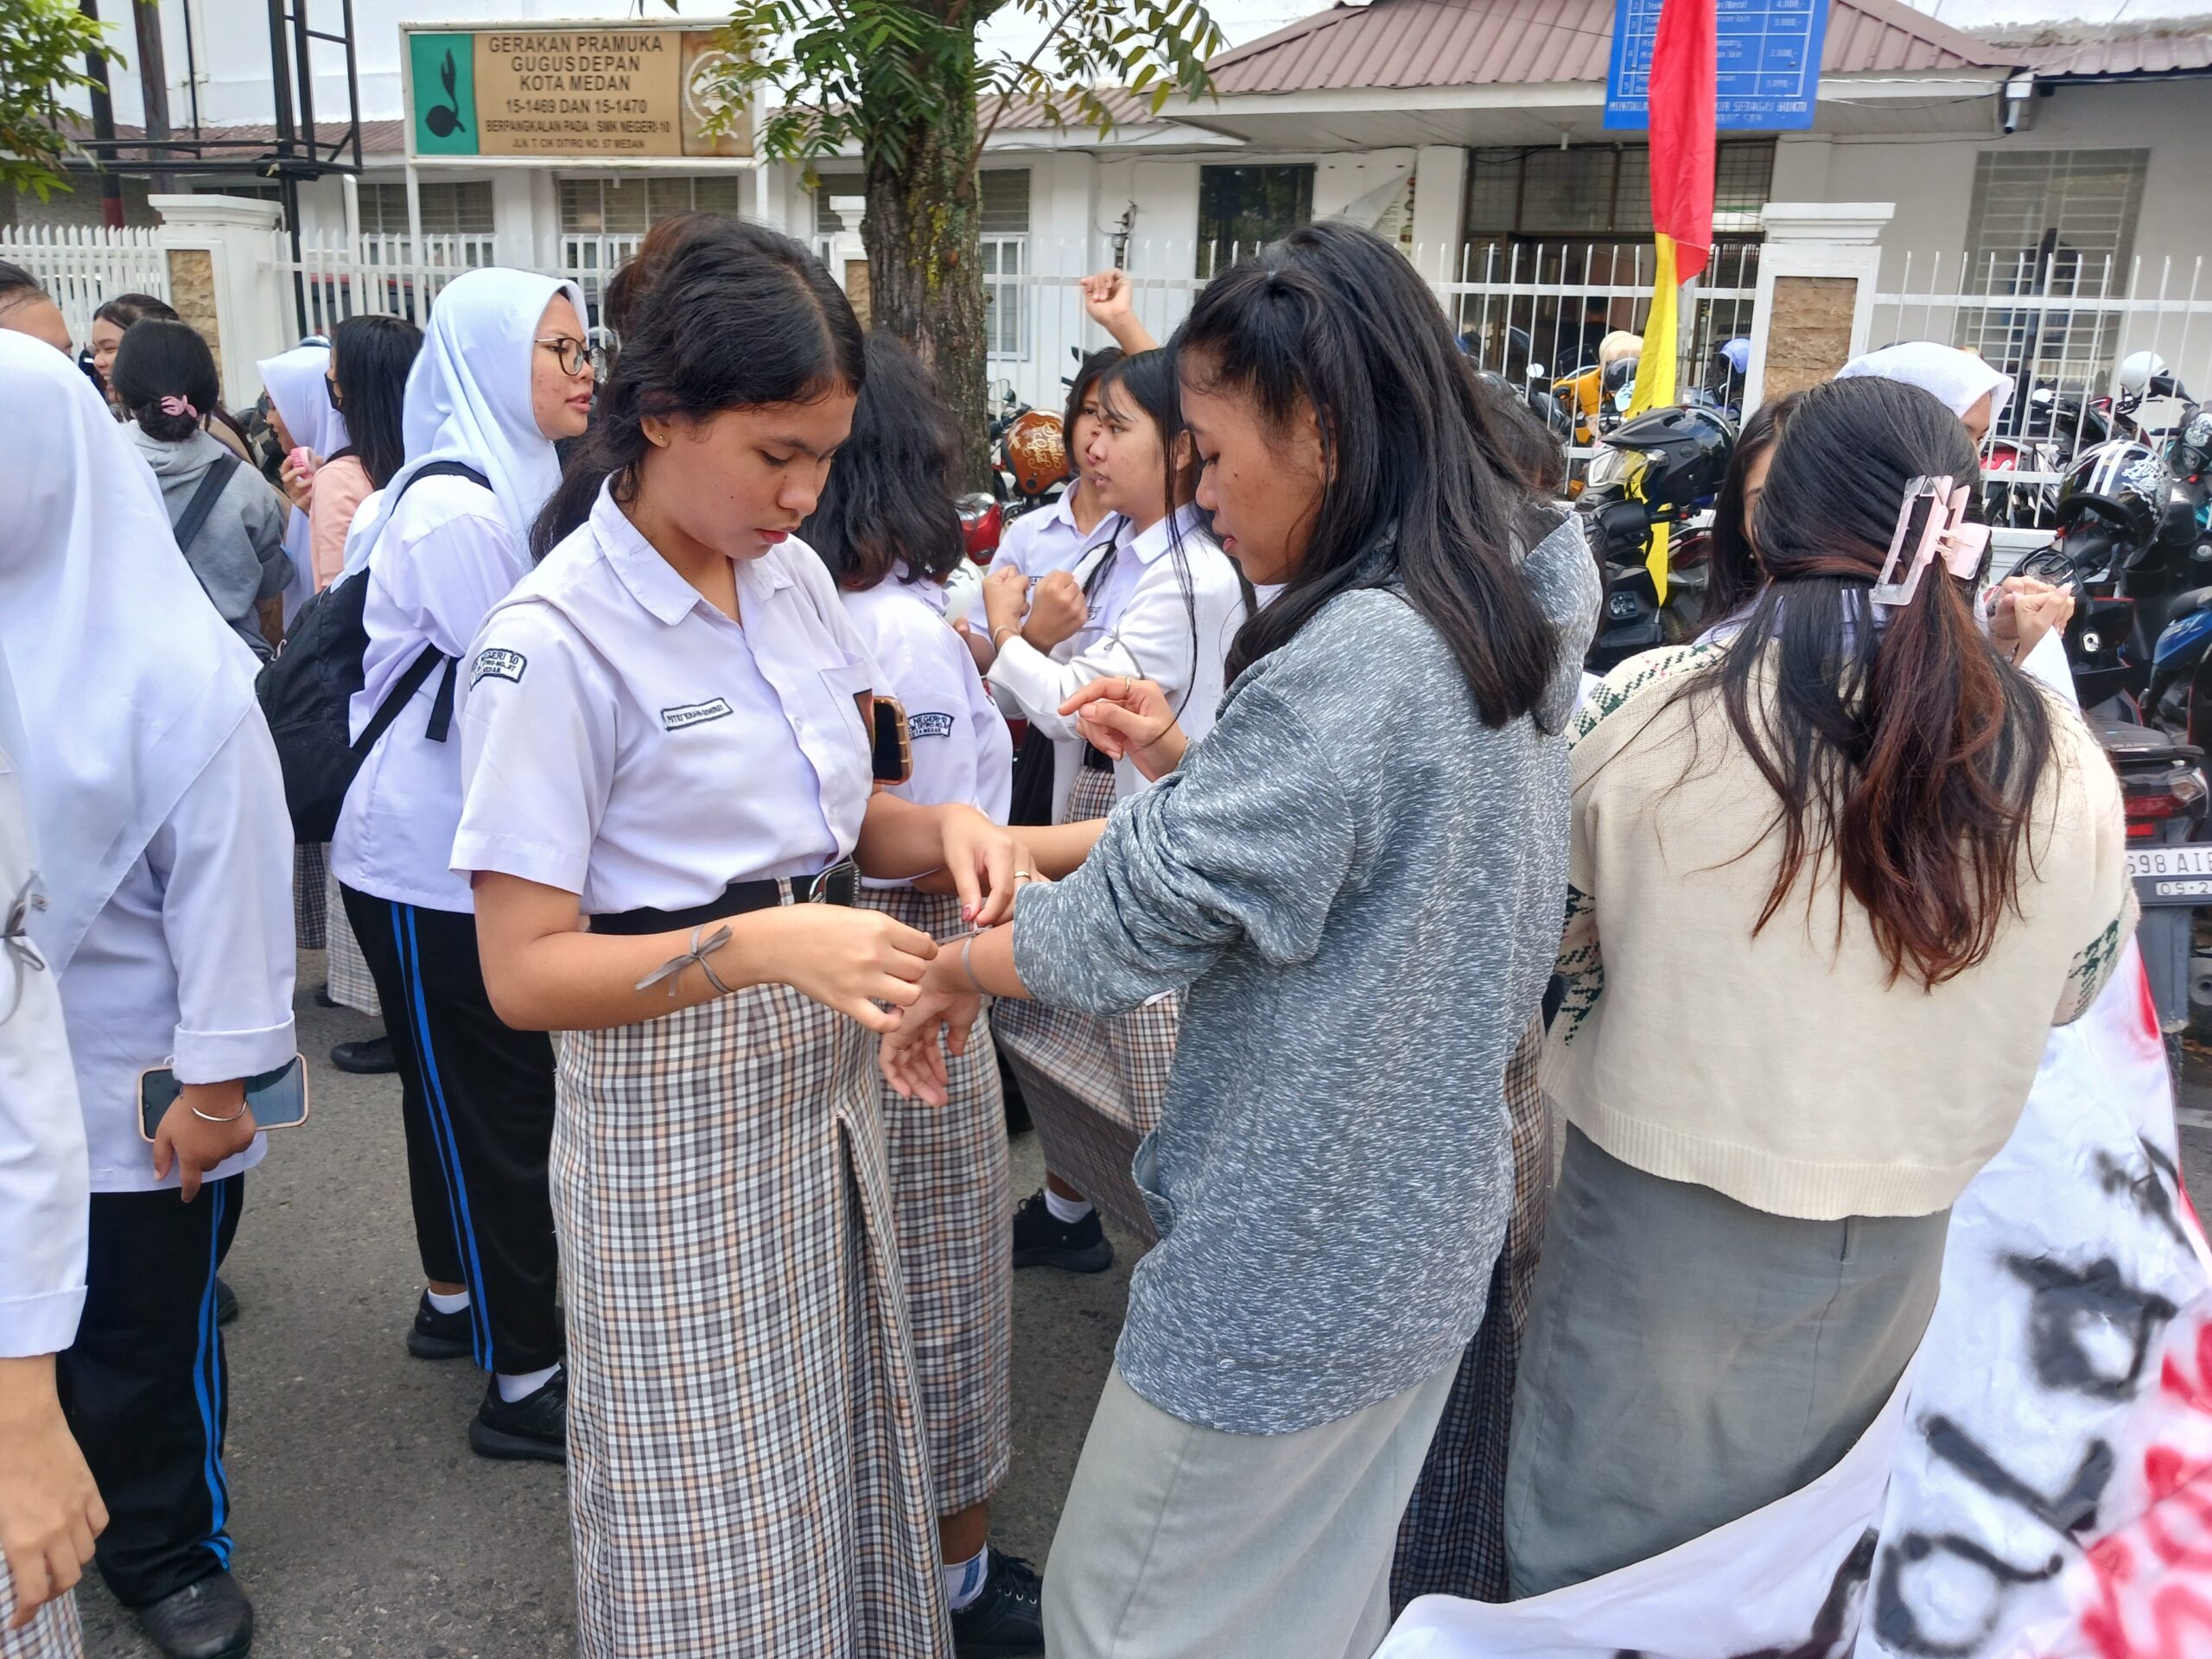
2041, 1485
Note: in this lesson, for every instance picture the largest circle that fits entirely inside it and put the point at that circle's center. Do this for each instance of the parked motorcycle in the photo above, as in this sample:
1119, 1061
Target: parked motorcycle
1663, 468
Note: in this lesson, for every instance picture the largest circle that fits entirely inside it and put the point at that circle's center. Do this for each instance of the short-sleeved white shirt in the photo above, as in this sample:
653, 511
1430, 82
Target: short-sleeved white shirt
624, 740
1046, 539
963, 753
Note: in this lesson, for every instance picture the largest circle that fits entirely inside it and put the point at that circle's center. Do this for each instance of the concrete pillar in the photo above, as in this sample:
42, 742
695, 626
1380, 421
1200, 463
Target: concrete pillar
1440, 210
225, 281
1817, 271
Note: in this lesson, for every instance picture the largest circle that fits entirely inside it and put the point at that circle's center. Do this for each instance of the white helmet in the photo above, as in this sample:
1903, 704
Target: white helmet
2137, 368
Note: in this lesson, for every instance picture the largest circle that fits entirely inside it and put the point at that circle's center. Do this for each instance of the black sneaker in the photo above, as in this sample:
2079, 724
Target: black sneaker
440, 1335
209, 1618
535, 1427
1042, 1241
226, 1302
1008, 1618
370, 1057
323, 999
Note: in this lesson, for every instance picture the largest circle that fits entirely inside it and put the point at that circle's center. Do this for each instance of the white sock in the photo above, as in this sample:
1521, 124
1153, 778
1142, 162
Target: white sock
1066, 1211
964, 1580
441, 1303
516, 1386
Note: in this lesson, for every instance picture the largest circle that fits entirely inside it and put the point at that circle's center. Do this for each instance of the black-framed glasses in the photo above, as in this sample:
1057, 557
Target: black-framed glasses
574, 355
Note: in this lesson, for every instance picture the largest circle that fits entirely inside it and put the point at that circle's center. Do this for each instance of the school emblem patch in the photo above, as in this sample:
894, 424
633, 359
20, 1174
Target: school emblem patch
929, 726
498, 664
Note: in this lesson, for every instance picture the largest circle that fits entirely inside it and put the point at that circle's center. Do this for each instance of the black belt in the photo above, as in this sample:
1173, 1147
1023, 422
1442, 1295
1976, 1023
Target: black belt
1095, 758
838, 884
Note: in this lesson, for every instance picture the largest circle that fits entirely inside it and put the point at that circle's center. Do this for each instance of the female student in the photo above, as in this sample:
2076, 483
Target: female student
668, 732
301, 416
503, 372
112, 321
165, 848
367, 366
1962, 381
165, 383
888, 532
1851, 801
1161, 601
1330, 1175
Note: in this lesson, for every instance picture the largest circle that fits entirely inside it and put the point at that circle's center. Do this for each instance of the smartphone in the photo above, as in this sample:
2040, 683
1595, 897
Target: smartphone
277, 1099
893, 754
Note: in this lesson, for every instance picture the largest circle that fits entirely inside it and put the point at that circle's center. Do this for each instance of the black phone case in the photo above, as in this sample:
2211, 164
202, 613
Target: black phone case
894, 749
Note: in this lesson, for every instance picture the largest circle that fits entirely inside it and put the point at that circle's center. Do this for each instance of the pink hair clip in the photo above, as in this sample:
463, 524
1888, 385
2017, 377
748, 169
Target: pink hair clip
1940, 510
179, 406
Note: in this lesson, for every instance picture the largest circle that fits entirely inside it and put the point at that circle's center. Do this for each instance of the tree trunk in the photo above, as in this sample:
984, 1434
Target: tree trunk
926, 279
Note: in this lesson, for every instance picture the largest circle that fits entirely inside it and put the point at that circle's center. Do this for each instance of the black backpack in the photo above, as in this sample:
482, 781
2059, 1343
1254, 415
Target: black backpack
306, 692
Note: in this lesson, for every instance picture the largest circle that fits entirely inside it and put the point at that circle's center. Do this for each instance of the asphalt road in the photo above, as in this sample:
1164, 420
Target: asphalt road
364, 1527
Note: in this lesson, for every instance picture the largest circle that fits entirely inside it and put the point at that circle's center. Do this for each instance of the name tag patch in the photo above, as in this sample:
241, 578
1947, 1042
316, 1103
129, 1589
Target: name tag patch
499, 665
929, 726
694, 713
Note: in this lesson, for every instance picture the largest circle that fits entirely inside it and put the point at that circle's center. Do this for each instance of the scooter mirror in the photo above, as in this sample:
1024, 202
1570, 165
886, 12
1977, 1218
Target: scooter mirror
1538, 371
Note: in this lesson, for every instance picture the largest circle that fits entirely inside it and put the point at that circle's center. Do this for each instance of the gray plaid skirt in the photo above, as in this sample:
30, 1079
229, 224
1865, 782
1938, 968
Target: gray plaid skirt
1452, 1541
748, 1470
312, 888
949, 1185
1094, 1083
349, 969
52, 1633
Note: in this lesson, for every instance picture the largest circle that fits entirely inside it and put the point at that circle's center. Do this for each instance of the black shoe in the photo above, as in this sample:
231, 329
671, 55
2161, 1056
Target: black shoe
536, 1425
1008, 1618
440, 1335
210, 1618
323, 999
371, 1056
226, 1302
1040, 1241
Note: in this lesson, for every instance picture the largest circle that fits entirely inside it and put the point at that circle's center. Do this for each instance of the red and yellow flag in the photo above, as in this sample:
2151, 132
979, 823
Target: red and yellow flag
1683, 122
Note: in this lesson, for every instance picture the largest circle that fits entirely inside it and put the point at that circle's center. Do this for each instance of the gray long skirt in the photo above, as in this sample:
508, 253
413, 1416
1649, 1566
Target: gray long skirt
1691, 1359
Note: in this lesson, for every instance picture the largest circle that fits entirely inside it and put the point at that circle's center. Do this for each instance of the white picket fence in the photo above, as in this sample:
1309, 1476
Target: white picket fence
84, 266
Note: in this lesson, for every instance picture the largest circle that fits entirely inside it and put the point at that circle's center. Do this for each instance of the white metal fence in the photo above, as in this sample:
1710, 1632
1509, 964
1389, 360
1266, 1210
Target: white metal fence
83, 266
336, 277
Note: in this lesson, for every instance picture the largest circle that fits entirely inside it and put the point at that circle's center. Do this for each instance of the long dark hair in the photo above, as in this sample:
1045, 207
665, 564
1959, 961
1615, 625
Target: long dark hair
1333, 319
371, 356
125, 309
1732, 564
1897, 742
159, 360
889, 498
1086, 377
741, 316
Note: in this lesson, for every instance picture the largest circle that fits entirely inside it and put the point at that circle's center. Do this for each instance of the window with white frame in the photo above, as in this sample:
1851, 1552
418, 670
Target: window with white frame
2059, 224
1005, 237
449, 208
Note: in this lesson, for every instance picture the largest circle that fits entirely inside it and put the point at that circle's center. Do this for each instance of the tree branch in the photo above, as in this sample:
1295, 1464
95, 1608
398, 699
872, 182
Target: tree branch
1028, 63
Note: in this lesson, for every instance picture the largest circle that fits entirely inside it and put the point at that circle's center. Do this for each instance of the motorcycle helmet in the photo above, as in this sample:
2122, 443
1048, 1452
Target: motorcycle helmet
2137, 369
1620, 382
1685, 453
2122, 484
1035, 452
2192, 450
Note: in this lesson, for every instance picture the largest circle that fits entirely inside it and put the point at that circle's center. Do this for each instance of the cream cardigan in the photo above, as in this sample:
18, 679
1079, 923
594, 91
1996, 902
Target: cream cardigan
1782, 1069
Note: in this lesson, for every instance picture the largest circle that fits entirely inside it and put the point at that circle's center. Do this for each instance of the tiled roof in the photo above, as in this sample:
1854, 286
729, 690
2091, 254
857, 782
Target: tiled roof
1408, 43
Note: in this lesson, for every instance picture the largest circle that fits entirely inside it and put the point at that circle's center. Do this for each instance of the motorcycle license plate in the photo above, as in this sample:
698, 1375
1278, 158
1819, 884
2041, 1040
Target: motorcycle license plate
2172, 875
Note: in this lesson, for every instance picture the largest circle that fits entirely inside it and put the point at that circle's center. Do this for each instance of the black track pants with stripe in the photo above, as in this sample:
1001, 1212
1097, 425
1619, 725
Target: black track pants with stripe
145, 1389
477, 1100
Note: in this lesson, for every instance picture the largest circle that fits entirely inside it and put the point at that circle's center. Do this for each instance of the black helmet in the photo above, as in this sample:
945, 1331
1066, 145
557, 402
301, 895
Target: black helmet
1685, 453
2122, 484
2192, 447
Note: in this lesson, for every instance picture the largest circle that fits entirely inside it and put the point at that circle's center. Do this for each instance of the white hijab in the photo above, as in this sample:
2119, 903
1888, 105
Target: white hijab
1958, 379
129, 681
468, 395
298, 391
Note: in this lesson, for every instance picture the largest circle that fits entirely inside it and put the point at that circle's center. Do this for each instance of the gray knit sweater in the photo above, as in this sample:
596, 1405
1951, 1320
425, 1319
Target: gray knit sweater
1362, 885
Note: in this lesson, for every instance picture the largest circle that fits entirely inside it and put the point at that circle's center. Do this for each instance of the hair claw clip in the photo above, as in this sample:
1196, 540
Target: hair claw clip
1944, 534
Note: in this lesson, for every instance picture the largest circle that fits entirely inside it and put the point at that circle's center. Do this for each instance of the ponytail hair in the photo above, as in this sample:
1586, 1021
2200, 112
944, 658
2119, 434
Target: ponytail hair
1422, 490
738, 316
1895, 739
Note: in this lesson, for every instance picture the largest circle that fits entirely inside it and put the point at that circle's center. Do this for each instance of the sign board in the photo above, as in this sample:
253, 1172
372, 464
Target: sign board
631, 91
1767, 66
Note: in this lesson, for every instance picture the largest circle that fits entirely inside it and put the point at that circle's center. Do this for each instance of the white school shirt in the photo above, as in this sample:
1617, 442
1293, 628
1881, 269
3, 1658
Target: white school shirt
190, 965
963, 753
1139, 626
447, 556
1046, 539
624, 740
43, 1210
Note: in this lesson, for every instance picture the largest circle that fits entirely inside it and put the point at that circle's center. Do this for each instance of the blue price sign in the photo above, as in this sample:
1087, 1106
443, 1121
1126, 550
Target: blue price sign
1768, 63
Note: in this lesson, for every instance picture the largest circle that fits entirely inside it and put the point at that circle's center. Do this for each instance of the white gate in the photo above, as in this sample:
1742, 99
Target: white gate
83, 266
